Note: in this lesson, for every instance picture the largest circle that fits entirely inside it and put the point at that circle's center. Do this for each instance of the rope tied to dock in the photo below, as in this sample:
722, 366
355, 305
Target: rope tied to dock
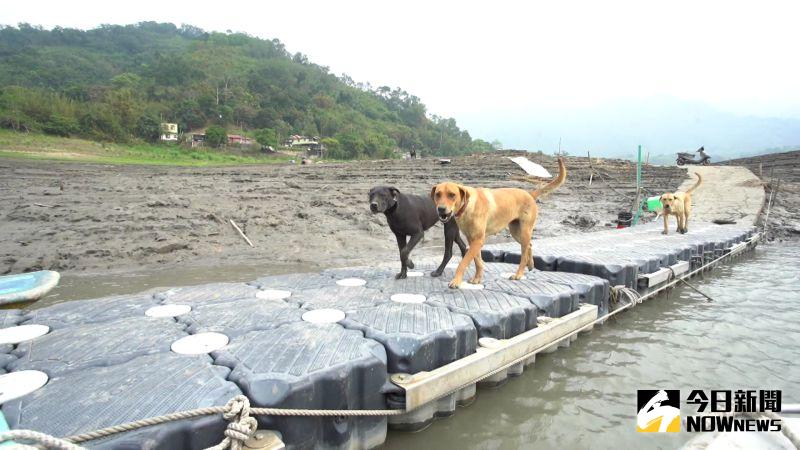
241, 426
632, 295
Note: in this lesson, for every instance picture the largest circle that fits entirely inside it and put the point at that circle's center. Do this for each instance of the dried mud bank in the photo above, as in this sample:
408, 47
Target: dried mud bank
75, 217
780, 176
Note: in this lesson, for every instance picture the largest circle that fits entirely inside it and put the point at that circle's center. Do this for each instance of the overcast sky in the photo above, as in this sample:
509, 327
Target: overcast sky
475, 58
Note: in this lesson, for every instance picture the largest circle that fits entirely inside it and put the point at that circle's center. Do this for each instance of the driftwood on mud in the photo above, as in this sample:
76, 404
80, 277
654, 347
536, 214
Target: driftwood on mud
241, 233
214, 217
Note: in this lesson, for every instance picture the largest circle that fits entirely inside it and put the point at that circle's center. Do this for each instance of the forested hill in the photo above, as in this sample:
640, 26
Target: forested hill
117, 83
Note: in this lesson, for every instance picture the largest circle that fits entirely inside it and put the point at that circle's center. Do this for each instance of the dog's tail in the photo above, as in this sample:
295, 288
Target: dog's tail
699, 181
551, 186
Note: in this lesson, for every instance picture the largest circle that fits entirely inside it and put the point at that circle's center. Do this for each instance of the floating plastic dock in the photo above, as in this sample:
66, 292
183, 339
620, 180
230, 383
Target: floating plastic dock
342, 339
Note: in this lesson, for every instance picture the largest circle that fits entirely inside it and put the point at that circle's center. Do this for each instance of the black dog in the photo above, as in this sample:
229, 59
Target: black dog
411, 215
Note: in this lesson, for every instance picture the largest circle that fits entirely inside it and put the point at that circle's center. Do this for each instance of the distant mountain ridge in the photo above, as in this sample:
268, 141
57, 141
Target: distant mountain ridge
662, 125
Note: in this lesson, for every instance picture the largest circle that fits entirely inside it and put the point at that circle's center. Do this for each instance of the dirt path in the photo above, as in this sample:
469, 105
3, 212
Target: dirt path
727, 192
780, 174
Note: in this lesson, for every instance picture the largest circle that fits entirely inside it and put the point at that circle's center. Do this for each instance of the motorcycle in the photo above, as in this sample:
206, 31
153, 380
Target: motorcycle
688, 158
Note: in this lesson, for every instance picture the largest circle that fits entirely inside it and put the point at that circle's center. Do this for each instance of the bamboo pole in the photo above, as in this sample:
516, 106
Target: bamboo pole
241, 232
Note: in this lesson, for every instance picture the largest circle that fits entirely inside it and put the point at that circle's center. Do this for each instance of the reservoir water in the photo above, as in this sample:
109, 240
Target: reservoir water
584, 396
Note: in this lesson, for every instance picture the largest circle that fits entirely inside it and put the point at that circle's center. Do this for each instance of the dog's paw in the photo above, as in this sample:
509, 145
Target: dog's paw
401, 276
410, 264
436, 274
475, 280
515, 277
454, 284
665, 232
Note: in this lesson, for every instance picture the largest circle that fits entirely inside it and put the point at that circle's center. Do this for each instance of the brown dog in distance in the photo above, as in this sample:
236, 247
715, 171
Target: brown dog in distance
482, 212
679, 204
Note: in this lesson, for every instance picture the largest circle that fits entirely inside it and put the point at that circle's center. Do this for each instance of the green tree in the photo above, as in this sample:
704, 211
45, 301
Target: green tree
126, 81
267, 137
99, 122
61, 125
352, 145
148, 128
379, 146
323, 101
216, 136
332, 148
480, 146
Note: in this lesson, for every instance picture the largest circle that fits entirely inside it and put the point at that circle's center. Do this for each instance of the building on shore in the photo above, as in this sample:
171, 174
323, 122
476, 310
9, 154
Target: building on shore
169, 132
198, 139
236, 139
311, 145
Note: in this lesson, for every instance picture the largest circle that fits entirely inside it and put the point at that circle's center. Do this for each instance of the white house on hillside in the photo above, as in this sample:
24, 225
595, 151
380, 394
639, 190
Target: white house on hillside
169, 131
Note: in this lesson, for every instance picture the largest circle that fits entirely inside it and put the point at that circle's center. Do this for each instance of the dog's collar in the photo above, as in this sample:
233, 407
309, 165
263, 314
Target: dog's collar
461, 210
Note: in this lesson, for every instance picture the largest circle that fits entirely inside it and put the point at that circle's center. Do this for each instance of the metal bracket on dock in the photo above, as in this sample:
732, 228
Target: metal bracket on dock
424, 387
663, 275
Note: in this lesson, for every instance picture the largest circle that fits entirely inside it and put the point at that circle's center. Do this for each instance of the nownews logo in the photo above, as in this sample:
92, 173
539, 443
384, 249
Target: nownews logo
742, 404
726, 410
659, 411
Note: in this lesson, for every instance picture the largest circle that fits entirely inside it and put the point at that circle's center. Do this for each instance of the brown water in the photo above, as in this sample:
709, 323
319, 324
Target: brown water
95, 285
584, 396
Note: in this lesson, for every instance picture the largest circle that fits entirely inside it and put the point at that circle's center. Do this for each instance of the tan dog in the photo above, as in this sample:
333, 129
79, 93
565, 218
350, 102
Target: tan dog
483, 212
679, 204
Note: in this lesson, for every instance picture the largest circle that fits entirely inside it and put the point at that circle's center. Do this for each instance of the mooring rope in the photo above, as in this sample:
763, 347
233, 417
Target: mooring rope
695, 289
682, 280
241, 426
237, 412
633, 296
42, 439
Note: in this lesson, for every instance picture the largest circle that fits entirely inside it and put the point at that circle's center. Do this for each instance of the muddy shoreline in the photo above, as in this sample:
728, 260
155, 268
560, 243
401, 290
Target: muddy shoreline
92, 221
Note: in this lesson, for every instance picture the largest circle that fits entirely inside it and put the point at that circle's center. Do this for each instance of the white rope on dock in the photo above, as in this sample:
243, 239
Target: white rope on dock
634, 297
237, 412
45, 440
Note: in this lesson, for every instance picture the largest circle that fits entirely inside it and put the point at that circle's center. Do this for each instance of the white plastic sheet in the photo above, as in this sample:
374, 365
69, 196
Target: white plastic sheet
530, 167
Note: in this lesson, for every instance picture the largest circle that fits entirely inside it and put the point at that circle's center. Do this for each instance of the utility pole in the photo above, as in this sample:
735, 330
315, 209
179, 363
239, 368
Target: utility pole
638, 204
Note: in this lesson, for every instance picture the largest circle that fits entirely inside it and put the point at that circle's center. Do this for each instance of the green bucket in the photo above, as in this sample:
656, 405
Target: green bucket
653, 203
